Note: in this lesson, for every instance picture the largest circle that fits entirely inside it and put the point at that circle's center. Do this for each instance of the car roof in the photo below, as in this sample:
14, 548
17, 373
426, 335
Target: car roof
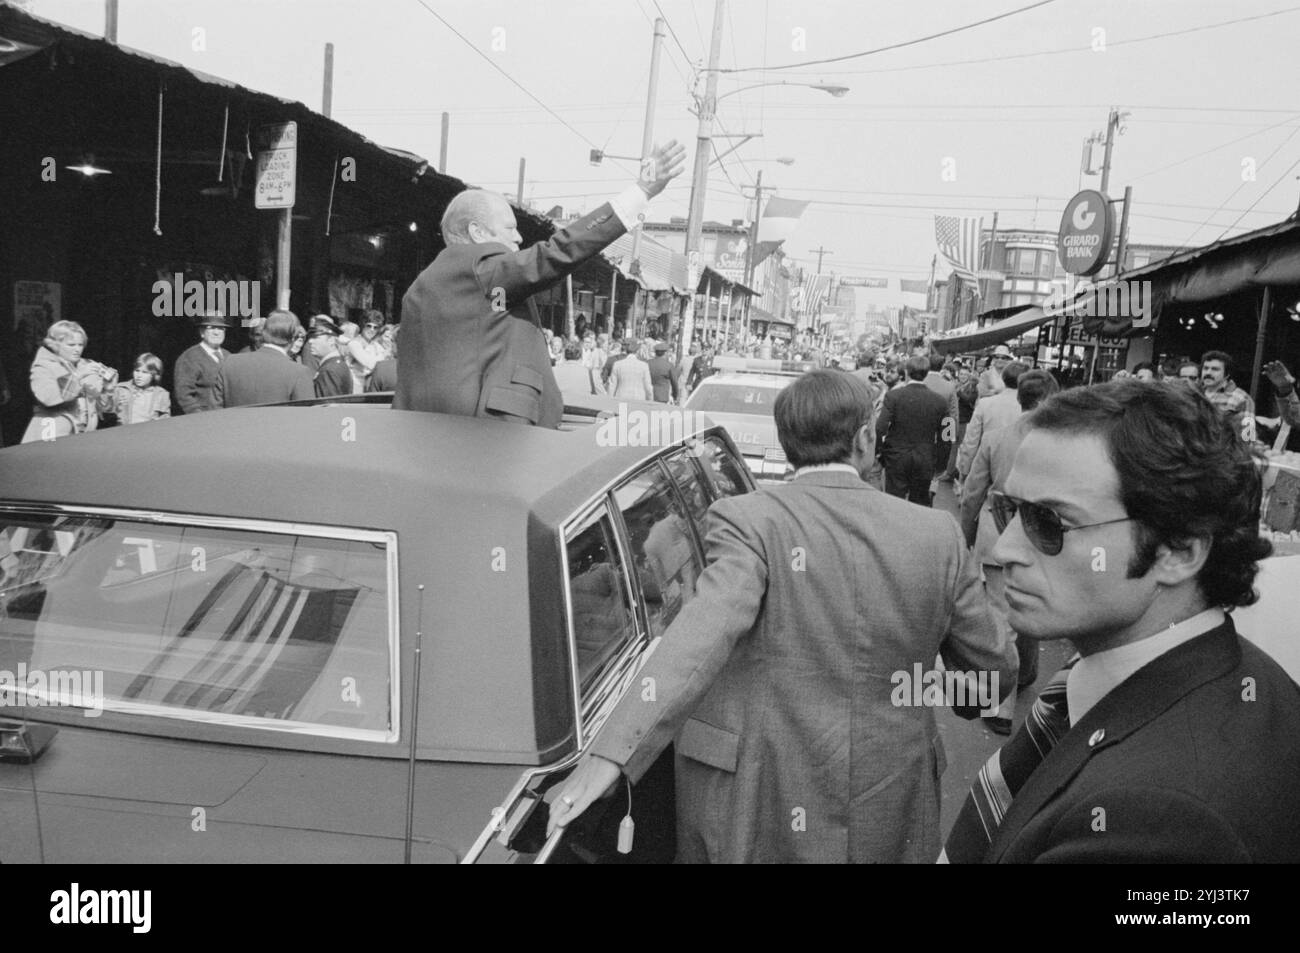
340, 455
751, 379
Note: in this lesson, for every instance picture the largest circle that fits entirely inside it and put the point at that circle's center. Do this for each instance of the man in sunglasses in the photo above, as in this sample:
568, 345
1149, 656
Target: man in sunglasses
1130, 523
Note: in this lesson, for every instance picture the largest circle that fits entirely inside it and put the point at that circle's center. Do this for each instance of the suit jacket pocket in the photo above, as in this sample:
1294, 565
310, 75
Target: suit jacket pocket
523, 374
716, 747
515, 401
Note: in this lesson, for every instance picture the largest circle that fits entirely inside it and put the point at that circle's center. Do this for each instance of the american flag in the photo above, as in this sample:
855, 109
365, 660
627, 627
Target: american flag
809, 295
959, 242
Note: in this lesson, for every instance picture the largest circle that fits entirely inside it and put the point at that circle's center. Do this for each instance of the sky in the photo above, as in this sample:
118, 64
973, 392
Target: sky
983, 120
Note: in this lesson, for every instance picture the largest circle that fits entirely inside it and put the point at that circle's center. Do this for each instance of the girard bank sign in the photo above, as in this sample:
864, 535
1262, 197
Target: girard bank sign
1087, 228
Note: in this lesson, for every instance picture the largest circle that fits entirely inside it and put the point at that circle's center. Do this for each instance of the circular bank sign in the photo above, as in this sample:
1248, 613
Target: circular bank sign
1087, 227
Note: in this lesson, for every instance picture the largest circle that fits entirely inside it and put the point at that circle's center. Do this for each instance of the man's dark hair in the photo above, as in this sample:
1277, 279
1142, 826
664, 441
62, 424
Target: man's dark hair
1033, 387
937, 362
281, 328
1223, 357
917, 368
573, 351
818, 416
1011, 373
1183, 472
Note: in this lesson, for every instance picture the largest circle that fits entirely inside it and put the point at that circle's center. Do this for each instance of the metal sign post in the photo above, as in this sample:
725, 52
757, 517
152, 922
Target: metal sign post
277, 176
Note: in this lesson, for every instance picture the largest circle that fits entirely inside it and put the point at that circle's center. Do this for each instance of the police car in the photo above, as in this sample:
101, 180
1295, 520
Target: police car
739, 396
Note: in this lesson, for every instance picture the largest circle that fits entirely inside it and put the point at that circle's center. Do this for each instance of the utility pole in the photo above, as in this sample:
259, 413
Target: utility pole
648, 130
700, 177
988, 261
327, 95
1112, 123
110, 21
519, 194
442, 147
820, 252
753, 241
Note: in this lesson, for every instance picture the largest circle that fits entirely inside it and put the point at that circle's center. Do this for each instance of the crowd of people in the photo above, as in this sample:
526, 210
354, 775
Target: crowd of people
283, 361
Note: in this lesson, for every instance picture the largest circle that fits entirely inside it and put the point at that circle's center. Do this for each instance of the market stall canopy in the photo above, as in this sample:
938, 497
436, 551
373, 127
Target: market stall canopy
661, 269
1265, 257
1017, 321
710, 276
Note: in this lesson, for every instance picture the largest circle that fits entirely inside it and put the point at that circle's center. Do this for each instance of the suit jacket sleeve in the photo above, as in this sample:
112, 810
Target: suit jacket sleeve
303, 388
974, 430
695, 647
885, 418
219, 388
1143, 825
975, 491
187, 386
523, 273
974, 643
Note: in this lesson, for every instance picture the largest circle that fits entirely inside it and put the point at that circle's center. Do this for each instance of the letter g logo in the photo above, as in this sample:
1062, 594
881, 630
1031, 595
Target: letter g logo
1082, 217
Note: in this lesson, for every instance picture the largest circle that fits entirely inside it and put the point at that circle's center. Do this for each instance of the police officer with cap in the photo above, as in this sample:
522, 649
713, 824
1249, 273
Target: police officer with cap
196, 369
332, 376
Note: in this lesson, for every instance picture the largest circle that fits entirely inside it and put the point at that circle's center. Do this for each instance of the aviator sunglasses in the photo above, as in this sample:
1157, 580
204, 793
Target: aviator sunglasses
1043, 528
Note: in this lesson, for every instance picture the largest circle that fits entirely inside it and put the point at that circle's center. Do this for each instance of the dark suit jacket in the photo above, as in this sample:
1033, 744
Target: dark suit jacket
193, 378
383, 377
332, 377
776, 678
663, 378
912, 416
948, 391
263, 376
1194, 759
459, 353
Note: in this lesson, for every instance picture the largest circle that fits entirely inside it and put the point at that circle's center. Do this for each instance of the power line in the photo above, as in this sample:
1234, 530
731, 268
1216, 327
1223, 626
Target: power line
1261, 195
1242, 185
1068, 49
1249, 135
685, 55
893, 46
496, 67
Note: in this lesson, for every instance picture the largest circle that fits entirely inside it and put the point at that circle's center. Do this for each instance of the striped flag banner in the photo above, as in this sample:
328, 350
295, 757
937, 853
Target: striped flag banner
813, 291
959, 243
776, 225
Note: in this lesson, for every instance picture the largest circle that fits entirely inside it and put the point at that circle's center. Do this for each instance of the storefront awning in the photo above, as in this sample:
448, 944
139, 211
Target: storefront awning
661, 268
1023, 319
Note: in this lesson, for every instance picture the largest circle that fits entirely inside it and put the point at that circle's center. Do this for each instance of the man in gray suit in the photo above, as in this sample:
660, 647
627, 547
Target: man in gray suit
470, 340
268, 375
775, 680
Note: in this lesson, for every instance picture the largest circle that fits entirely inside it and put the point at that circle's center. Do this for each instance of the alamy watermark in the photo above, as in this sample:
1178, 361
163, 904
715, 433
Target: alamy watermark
37, 688
1122, 299
652, 428
176, 298
945, 689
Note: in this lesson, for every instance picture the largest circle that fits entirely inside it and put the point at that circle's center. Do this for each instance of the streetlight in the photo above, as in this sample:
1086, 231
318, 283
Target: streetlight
836, 91
703, 147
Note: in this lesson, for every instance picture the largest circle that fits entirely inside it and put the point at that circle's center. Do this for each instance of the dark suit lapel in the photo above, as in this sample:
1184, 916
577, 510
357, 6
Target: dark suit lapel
1141, 698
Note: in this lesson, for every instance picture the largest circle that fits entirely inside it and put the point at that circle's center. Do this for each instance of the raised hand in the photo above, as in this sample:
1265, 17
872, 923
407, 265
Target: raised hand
661, 166
1279, 376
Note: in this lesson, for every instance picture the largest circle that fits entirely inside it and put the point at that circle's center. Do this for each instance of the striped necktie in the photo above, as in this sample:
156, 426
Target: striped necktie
1005, 773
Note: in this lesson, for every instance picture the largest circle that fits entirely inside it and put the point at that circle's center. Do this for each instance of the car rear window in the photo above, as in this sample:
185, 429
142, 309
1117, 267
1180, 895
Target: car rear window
734, 399
245, 626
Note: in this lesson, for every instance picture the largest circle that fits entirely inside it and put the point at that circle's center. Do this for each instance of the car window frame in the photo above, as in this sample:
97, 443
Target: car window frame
159, 716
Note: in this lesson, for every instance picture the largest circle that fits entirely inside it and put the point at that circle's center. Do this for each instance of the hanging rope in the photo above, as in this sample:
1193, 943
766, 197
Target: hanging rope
329, 212
157, 176
225, 127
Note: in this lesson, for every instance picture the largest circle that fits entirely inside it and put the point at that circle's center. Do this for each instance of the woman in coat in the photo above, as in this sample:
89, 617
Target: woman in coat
70, 392
630, 377
142, 399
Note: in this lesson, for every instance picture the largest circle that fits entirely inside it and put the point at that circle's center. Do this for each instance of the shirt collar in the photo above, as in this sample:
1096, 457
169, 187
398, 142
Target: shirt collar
276, 347
1095, 676
213, 352
826, 468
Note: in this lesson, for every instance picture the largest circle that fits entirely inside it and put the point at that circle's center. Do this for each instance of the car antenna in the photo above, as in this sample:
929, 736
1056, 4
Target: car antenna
415, 727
